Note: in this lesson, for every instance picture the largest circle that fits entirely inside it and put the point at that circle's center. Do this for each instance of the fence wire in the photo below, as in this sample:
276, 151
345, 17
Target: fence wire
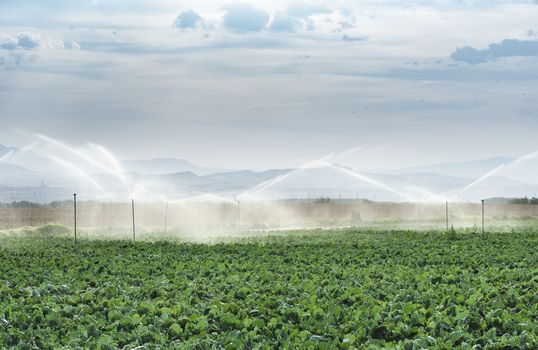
114, 220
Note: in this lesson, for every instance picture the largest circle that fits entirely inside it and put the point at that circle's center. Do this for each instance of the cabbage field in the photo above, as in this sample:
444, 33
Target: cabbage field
340, 289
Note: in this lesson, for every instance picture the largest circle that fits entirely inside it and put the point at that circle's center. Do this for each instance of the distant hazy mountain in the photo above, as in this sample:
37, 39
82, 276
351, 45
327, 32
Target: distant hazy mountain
176, 178
29, 160
313, 182
5, 150
497, 186
157, 166
36, 162
225, 183
14, 175
468, 169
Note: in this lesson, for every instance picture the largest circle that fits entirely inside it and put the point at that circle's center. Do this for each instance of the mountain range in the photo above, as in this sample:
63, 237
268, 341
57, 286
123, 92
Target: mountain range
158, 166
467, 169
21, 173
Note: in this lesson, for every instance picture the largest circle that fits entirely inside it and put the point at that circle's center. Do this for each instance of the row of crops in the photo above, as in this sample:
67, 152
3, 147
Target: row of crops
315, 290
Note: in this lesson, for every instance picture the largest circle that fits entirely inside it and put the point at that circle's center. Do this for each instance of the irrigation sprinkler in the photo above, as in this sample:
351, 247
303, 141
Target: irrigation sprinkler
103, 213
133, 210
110, 217
75, 217
165, 217
375, 207
446, 214
32, 215
238, 215
483, 216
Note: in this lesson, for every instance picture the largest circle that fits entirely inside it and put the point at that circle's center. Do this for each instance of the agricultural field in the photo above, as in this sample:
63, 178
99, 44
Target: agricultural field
340, 289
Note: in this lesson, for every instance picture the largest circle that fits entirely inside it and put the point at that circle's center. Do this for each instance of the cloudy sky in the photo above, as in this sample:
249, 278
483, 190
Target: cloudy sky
265, 84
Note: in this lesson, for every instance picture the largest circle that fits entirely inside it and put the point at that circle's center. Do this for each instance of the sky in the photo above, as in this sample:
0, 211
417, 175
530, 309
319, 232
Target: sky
273, 84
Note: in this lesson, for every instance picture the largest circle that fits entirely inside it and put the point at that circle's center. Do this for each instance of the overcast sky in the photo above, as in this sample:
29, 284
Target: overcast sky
264, 84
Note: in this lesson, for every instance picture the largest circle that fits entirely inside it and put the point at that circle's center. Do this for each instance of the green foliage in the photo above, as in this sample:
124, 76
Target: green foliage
323, 200
21, 204
524, 200
318, 290
53, 230
451, 234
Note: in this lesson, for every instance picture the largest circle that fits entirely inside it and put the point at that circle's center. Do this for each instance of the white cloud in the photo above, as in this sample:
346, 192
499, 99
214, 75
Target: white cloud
305, 9
282, 22
298, 15
506, 48
351, 38
72, 45
244, 17
188, 20
349, 22
23, 41
31, 41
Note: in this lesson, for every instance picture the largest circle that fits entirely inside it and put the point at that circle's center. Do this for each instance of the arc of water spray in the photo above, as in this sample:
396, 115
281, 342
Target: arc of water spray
76, 170
151, 193
367, 179
431, 196
118, 171
29, 146
7, 155
323, 161
215, 197
266, 184
75, 152
479, 180
97, 164
20, 150
351, 150
522, 158
496, 170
